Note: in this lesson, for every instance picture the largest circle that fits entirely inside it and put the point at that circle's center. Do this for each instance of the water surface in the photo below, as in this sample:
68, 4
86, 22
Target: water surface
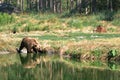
34, 67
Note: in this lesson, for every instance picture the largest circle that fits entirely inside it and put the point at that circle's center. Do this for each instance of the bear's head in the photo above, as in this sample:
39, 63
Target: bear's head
37, 48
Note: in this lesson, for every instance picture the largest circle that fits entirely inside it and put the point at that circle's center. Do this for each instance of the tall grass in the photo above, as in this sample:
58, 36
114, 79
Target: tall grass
6, 19
116, 20
83, 21
49, 22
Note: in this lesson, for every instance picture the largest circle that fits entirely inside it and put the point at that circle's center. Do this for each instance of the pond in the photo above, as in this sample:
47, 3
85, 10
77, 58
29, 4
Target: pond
47, 67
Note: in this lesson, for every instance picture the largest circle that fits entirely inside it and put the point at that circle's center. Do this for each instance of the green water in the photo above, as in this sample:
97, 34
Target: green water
34, 67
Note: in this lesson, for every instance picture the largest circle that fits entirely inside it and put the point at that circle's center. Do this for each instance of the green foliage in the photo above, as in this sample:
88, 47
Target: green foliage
116, 20
112, 53
112, 29
82, 21
109, 15
50, 37
45, 22
6, 19
96, 63
112, 65
74, 23
72, 51
105, 15
27, 28
97, 52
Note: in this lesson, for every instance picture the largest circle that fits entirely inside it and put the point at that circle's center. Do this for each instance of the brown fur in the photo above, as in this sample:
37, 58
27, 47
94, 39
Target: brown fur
100, 29
30, 44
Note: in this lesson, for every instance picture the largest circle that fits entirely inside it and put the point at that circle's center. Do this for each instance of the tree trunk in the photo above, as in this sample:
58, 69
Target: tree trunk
80, 3
21, 5
54, 6
76, 4
67, 4
71, 4
93, 6
41, 4
18, 3
51, 5
60, 6
38, 7
109, 5
46, 4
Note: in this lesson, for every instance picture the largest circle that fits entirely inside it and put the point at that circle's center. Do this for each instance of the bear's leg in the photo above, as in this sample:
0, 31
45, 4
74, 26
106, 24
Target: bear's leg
34, 49
29, 50
20, 48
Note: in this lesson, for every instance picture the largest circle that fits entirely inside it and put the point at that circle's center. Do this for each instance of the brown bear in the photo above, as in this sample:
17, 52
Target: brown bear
30, 44
100, 29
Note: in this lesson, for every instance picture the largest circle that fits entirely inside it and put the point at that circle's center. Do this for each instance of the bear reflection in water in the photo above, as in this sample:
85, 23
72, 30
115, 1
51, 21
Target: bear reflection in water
29, 60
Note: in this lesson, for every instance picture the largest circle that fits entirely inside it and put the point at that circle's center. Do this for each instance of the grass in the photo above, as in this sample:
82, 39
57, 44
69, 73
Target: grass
75, 44
78, 43
74, 32
45, 22
6, 19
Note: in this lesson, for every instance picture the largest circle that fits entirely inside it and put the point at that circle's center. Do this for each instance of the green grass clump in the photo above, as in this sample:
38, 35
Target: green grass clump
116, 20
6, 19
97, 52
83, 21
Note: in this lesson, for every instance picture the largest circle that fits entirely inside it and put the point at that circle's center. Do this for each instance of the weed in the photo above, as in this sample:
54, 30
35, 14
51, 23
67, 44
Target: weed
97, 52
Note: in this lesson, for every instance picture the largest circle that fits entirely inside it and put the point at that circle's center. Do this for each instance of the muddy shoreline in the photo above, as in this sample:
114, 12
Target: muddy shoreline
77, 56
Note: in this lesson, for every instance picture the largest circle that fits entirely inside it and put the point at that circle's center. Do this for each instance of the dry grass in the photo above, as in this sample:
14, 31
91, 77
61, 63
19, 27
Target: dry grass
9, 41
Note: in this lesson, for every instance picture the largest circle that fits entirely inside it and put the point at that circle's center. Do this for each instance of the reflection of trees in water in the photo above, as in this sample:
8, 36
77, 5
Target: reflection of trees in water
31, 60
60, 70
54, 70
